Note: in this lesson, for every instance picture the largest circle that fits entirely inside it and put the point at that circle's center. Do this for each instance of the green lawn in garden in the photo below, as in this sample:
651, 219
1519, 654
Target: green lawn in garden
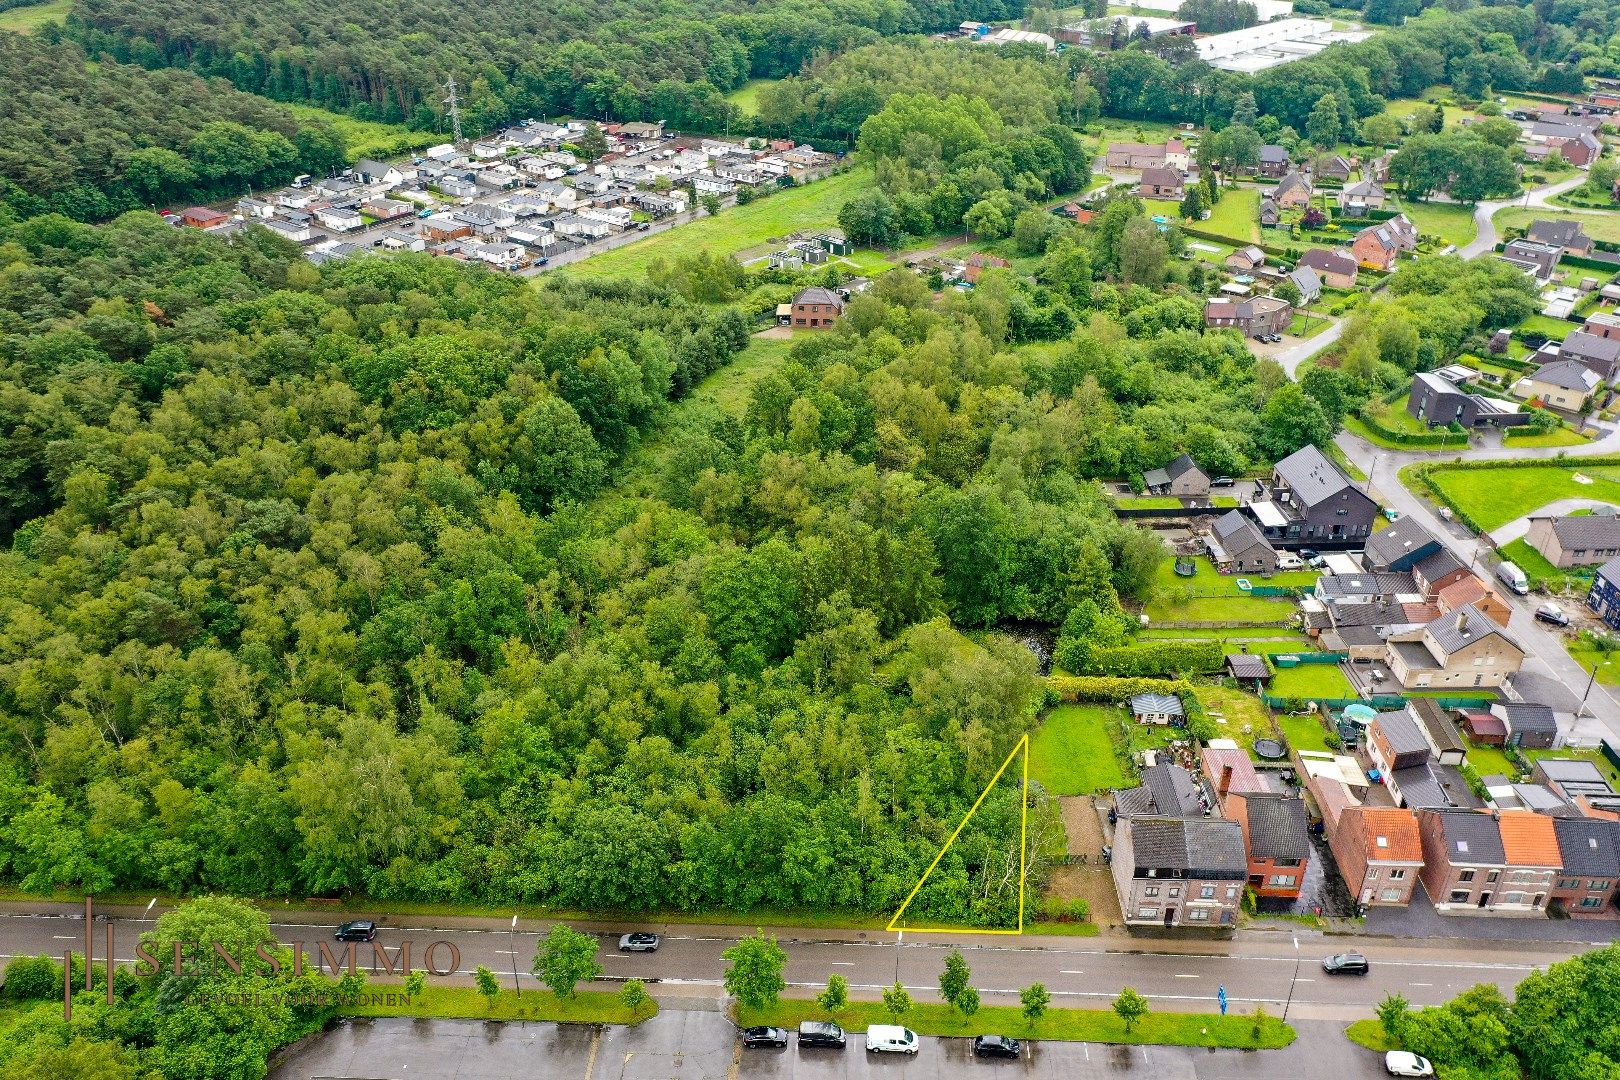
1490, 761
1167, 502
1235, 610
368, 139
25, 20
1240, 710
1584, 653
1355, 426
1597, 226
867, 263
1453, 223
746, 96
1253, 633
1302, 732
809, 206
1545, 325
1147, 131
1207, 579
1307, 326
1063, 1025
1072, 752
1564, 436
1494, 497
1311, 681
1237, 215
1541, 572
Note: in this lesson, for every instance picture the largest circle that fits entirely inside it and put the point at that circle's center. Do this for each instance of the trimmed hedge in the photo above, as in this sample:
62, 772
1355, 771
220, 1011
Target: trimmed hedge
1106, 688
1426, 470
1440, 439
1158, 658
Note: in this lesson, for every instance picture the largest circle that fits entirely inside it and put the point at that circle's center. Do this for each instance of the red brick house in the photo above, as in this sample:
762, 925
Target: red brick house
1162, 183
1500, 862
1275, 838
1380, 854
200, 217
1378, 246
1589, 881
816, 307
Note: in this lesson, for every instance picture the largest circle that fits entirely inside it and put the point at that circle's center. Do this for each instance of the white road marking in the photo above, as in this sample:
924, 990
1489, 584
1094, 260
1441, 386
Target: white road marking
1066, 971
1179, 976
843, 963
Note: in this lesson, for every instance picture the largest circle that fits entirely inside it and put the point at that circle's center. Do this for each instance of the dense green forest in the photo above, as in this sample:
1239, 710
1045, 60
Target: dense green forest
342, 578
625, 59
92, 141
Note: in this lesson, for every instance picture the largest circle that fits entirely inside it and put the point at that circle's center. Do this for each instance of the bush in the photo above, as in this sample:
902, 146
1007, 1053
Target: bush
1157, 658
1057, 910
1079, 688
33, 978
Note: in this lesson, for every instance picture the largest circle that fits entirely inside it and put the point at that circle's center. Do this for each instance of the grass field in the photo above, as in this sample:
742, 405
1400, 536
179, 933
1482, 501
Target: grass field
1311, 681
1166, 502
1071, 753
1454, 224
1237, 215
586, 1007
1545, 324
746, 96
1238, 640
365, 138
1597, 226
1586, 654
1494, 497
1371, 1034
1173, 599
1541, 572
1564, 436
1489, 761
1064, 1025
1279, 633
25, 20
1303, 732
730, 231
1238, 715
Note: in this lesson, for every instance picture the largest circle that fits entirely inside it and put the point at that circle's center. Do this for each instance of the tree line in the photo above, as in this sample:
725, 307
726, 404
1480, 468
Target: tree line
94, 140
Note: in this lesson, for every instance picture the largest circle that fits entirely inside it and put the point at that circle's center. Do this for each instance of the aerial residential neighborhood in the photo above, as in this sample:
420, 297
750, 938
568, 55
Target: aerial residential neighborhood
673, 540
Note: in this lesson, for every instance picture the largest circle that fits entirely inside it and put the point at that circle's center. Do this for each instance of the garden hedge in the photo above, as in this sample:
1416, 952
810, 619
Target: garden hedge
1442, 439
1158, 658
1105, 688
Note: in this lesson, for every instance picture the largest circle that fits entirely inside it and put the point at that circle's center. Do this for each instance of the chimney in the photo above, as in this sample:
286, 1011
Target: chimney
1462, 623
1226, 782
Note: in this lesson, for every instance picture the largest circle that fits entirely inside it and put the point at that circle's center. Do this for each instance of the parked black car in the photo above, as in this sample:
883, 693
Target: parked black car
821, 1033
765, 1036
997, 1046
358, 930
1346, 963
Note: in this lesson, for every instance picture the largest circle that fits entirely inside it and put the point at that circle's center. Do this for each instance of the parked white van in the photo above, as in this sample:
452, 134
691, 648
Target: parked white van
891, 1038
1513, 578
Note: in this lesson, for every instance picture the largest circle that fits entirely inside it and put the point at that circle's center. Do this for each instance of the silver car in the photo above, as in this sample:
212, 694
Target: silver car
639, 942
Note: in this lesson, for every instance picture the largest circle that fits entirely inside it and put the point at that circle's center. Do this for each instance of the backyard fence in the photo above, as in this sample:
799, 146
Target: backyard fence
1288, 660
1384, 702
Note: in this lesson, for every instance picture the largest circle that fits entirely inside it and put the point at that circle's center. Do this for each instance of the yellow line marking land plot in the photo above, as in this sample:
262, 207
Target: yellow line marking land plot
1023, 852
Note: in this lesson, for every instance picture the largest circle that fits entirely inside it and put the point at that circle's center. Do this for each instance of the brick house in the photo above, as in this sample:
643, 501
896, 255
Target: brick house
1337, 269
1292, 190
816, 307
1469, 589
1394, 742
1463, 648
1500, 862
1380, 854
1276, 841
1588, 882
201, 217
1236, 542
1162, 182
1274, 161
1182, 477
1179, 872
1255, 318
1378, 246
1563, 234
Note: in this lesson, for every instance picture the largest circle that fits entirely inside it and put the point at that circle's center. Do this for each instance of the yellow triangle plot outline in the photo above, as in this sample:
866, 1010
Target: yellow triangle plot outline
1023, 852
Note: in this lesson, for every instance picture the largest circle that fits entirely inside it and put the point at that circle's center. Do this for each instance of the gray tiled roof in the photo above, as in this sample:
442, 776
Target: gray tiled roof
1589, 846
1463, 627
1400, 539
1442, 733
1580, 343
1311, 476
1562, 233
1329, 261
1306, 281
1237, 533
1438, 565
1181, 466
818, 295
1472, 838
1587, 531
1401, 732
1365, 585
1380, 613
1432, 786
1247, 666
1166, 791
1611, 571
1277, 827
1523, 716
1270, 152
1157, 703
1205, 848
1566, 374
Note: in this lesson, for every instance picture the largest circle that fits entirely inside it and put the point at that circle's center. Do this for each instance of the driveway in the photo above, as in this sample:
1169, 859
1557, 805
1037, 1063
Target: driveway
1519, 526
1299, 352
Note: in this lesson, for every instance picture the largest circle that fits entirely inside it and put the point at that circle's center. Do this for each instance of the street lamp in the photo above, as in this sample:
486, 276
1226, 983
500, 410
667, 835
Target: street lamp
150, 905
512, 937
899, 938
1294, 982
1595, 665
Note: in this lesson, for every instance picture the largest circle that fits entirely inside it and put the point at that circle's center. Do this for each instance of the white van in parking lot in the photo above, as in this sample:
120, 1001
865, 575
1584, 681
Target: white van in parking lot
891, 1038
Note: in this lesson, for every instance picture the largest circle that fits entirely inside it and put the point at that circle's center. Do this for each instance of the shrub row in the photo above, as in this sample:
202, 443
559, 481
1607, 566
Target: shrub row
1105, 688
1158, 658
1406, 438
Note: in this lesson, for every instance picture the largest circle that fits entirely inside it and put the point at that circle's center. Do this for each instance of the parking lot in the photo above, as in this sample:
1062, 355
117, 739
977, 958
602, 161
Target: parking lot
697, 1045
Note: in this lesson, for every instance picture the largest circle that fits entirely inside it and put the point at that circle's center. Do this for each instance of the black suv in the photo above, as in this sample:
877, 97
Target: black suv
821, 1033
1346, 963
996, 1046
358, 930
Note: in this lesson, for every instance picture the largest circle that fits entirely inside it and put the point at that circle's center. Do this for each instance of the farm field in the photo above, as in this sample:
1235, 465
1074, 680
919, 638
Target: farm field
737, 228
1494, 497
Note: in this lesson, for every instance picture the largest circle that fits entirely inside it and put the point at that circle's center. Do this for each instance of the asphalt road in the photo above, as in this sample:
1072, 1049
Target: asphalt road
702, 1046
1080, 972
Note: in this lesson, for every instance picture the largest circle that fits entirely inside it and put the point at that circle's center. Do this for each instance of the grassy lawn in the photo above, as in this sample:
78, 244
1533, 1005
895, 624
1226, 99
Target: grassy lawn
1148, 131
1538, 570
1311, 681
1354, 425
1597, 226
365, 138
1307, 326
1454, 224
1166, 502
1396, 418
1371, 1034
1207, 579
732, 230
1303, 732
1065, 1025
1072, 753
1490, 761
1237, 641
25, 20
746, 96
1240, 711
586, 1007
1545, 325
1564, 436
868, 263
1494, 497
1237, 215
1279, 633
1586, 654
1237, 610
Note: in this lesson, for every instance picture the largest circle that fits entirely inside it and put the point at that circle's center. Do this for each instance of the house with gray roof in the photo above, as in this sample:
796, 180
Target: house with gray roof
1569, 540
1400, 547
1237, 543
1278, 845
1356, 199
1166, 790
1539, 261
1182, 477
1432, 786
1529, 726
1601, 354
1438, 401
1175, 872
1158, 709
1308, 283
1463, 648
1319, 501
1463, 859
1292, 190
1561, 384
1589, 882
1567, 235
1274, 161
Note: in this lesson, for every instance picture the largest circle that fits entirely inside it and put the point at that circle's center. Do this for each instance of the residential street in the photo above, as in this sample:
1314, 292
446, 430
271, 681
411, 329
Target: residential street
1486, 239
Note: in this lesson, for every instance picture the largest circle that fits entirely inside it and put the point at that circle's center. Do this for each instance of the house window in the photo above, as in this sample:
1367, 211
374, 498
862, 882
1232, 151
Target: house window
1568, 883
1397, 875
1206, 892
1390, 895
1460, 896
1231, 892
1284, 881
1147, 913
1513, 898
1591, 901
1151, 890
1600, 886
1490, 878
1198, 915
1372, 873
1175, 891
1287, 862
1466, 876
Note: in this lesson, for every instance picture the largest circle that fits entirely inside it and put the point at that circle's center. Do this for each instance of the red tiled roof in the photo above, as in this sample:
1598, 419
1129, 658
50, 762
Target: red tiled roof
1244, 778
1529, 839
1391, 835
